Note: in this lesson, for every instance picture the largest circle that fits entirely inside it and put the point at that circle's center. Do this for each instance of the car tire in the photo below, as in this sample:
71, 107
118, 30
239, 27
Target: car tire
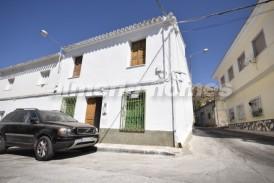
43, 149
3, 146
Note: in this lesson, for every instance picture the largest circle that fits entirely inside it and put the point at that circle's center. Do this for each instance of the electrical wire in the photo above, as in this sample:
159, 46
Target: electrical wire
225, 23
196, 19
161, 7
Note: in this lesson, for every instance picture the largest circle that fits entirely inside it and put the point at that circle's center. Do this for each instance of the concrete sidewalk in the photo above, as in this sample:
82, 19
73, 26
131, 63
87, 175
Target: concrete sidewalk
139, 149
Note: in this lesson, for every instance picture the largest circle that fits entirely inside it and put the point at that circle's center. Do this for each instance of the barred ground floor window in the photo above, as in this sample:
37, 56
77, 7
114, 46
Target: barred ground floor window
133, 111
68, 105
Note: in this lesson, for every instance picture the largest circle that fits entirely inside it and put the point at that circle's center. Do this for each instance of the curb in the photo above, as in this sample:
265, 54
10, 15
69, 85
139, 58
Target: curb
138, 151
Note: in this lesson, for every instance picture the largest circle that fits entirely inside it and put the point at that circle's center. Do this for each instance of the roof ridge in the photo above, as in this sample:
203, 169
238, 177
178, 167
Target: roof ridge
152, 21
155, 20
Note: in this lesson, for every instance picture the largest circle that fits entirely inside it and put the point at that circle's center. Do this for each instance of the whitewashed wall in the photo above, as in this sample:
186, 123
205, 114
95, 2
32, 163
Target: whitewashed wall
108, 64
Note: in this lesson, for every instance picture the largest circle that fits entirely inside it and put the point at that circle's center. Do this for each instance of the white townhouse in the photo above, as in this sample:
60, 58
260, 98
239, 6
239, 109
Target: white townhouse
246, 73
132, 83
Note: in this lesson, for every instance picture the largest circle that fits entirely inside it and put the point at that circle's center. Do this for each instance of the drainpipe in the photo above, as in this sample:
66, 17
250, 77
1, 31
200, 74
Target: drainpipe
171, 79
164, 54
171, 89
61, 51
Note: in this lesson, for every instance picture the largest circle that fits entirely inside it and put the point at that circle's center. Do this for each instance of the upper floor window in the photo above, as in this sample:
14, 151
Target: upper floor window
223, 81
258, 44
241, 62
256, 107
230, 73
77, 66
44, 77
10, 83
138, 52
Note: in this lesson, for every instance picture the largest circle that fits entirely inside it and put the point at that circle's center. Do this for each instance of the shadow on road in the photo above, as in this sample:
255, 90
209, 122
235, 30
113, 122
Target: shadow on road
58, 155
223, 133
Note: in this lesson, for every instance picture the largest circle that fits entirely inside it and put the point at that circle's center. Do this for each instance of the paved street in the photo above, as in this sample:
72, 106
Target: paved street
214, 155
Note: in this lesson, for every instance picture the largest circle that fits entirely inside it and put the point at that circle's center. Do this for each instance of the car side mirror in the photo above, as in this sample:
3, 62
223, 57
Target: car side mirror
34, 120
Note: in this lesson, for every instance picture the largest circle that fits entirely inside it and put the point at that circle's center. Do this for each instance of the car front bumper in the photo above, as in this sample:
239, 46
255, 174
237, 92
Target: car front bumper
75, 143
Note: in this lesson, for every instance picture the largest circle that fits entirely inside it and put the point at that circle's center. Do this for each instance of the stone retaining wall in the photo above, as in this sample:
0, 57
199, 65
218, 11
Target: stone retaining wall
261, 125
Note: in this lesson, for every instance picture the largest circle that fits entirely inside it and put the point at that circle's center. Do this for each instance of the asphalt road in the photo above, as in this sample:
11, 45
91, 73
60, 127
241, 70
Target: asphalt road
214, 155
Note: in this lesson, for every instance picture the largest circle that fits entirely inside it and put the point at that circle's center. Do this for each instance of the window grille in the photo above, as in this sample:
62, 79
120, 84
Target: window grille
133, 112
68, 105
256, 107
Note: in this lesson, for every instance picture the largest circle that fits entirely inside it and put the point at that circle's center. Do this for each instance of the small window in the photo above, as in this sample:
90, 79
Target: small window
256, 107
2, 115
209, 115
240, 112
231, 115
133, 111
68, 105
241, 62
222, 81
138, 52
259, 44
44, 77
10, 83
77, 66
230, 73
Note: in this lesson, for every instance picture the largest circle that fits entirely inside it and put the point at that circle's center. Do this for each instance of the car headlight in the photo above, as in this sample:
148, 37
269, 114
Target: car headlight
96, 130
64, 132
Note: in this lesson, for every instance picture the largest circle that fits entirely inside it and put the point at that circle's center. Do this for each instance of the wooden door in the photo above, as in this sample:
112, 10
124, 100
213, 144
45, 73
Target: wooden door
91, 111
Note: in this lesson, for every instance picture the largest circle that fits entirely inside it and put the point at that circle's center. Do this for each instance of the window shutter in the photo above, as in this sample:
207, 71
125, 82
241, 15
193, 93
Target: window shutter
141, 52
77, 66
134, 54
138, 50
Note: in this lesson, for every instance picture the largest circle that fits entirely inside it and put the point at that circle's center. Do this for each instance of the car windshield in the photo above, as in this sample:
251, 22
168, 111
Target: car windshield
56, 116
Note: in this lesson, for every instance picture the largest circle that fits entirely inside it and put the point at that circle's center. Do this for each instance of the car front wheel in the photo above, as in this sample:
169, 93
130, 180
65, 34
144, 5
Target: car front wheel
43, 149
3, 147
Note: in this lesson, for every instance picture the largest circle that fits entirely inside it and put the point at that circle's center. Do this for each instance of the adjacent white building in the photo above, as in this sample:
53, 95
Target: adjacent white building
132, 83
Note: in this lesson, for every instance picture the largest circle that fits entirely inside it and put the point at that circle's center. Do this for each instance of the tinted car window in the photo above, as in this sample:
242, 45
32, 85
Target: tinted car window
55, 116
17, 116
21, 116
9, 117
33, 114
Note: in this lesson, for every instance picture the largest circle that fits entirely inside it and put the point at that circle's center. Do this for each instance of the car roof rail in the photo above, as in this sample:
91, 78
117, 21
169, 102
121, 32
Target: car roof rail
26, 109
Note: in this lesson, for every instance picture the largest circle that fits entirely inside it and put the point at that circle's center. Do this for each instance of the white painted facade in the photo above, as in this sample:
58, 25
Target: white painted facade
105, 70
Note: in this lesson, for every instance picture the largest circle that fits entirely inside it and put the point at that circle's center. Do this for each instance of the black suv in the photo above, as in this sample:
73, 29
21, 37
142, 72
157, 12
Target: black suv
45, 131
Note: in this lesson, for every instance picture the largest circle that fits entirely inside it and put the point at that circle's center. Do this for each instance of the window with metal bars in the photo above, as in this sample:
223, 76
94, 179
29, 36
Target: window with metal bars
68, 105
133, 112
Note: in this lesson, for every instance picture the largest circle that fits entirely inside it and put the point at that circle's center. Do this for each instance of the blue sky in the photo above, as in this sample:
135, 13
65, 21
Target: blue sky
71, 21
